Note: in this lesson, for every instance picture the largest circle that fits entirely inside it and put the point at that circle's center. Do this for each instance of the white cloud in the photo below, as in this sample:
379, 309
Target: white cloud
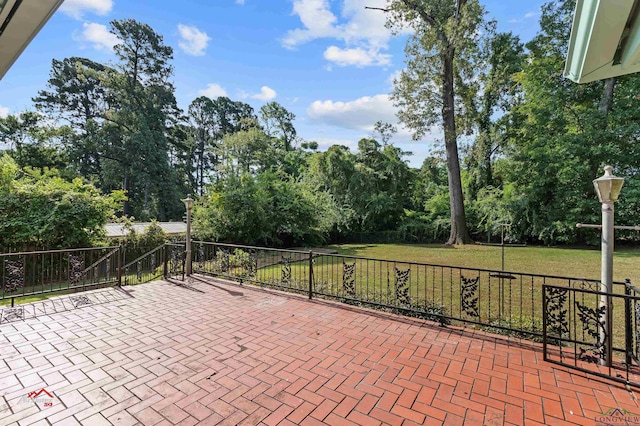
240, 2
527, 16
266, 94
360, 114
362, 30
212, 91
4, 111
77, 8
192, 40
98, 35
317, 19
357, 56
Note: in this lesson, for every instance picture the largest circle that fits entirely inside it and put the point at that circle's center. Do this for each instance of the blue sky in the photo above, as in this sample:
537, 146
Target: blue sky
331, 62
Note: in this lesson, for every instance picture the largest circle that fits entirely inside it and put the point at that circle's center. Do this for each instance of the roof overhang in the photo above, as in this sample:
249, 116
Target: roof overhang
20, 21
605, 40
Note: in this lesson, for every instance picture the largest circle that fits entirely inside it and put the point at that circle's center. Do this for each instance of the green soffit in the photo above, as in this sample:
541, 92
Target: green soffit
605, 40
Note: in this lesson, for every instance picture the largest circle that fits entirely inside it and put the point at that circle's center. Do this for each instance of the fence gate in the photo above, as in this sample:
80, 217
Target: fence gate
582, 333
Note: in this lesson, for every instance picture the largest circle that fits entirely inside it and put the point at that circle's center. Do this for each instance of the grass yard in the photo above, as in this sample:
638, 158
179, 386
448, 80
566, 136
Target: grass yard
569, 262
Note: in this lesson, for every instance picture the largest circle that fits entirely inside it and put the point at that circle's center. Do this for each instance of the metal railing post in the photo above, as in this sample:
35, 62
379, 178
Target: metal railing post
310, 274
544, 323
165, 261
628, 336
120, 255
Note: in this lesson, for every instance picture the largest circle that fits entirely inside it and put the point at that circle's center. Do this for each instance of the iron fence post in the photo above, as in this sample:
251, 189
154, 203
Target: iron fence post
310, 274
120, 255
165, 261
609, 347
544, 322
628, 337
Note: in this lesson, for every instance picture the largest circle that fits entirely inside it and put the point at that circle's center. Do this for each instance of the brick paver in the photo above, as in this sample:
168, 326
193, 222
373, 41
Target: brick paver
211, 352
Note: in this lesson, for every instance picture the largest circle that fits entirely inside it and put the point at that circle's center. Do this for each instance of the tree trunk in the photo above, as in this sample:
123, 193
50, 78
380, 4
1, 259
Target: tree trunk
459, 231
125, 204
606, 101
201, 163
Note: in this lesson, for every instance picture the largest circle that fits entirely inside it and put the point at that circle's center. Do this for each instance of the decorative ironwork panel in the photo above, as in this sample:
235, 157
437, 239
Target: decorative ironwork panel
139, 270
469, 296
594, 322
402, 285
286, 269
557, 319
175, 261
349, 278
15, 276
201, 256
76, 268
252, 265
224, 260
636, 308
589, 285
153, 264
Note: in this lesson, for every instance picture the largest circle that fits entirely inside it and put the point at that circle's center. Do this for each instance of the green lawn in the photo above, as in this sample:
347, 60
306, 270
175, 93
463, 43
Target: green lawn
570, 262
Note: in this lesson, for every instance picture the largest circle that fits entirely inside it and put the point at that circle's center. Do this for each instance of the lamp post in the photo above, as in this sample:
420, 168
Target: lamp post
188, 203
608, 189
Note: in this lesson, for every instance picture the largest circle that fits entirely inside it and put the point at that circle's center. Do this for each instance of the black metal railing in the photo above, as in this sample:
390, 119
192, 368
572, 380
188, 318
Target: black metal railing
165, 261
593, 331
505, 302
145, 268
30, 273
282, 269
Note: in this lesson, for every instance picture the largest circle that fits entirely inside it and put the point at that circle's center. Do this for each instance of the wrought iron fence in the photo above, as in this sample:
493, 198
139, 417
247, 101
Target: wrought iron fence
165, 261
31, 273
282, 269
145, 268
505, 302
582, 332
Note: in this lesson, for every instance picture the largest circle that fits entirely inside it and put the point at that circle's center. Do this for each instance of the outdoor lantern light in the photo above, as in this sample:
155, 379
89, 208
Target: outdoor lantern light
608, 186
608, 189
188, 203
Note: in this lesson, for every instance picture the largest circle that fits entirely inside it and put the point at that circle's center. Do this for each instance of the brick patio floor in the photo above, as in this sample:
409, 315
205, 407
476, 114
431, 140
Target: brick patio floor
216, 353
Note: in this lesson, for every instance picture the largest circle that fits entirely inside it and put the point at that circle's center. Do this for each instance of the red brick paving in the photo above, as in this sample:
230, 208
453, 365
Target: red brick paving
224, 354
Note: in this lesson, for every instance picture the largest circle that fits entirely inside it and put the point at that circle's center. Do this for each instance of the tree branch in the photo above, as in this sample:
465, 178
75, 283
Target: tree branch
378, 8
428, 19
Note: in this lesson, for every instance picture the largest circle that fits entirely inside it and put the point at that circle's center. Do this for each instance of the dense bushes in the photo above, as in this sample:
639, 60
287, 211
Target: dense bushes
265, 209
40, 210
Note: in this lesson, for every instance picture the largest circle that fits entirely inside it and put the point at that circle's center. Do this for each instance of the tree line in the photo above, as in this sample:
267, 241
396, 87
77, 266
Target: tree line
521, 145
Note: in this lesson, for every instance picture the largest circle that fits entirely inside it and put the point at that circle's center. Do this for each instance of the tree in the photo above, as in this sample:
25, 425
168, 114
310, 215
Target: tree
77, 94
201, 116
495, 94
145, 105
560, 135
270, 208
384, 131
278, 123
442, 49
117, 111
32, 143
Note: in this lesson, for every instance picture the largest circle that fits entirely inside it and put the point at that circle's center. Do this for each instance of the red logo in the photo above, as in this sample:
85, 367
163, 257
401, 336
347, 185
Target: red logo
38, 393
